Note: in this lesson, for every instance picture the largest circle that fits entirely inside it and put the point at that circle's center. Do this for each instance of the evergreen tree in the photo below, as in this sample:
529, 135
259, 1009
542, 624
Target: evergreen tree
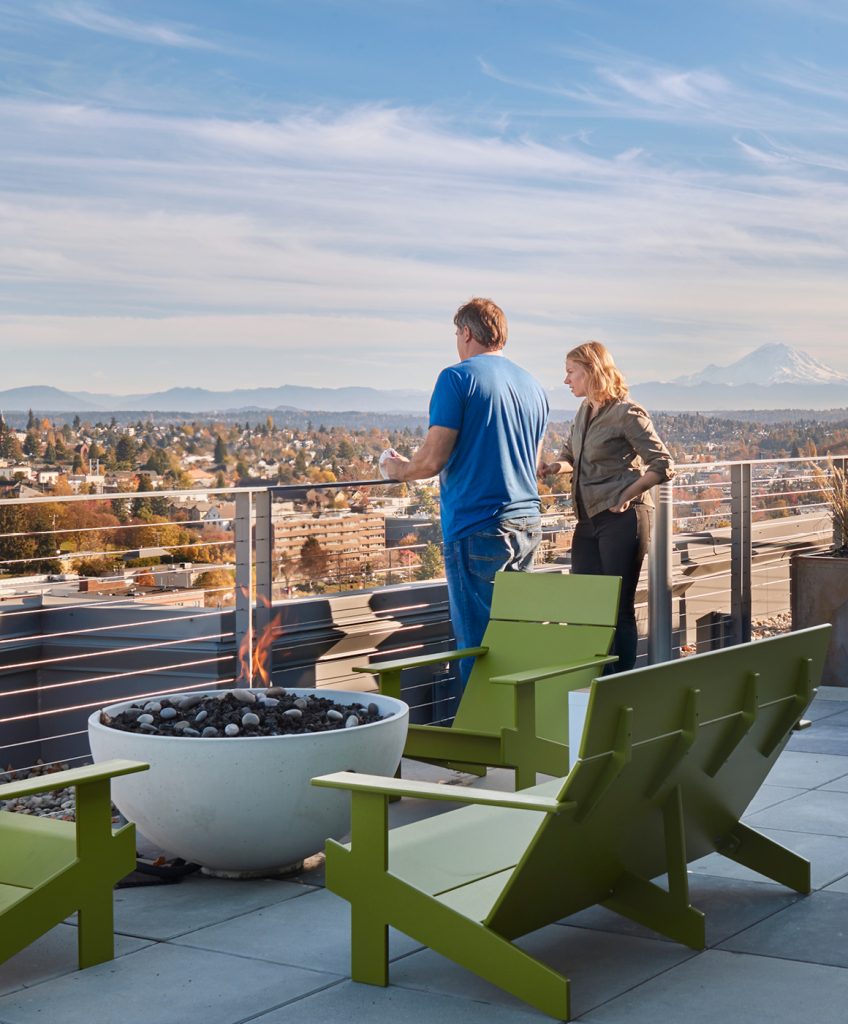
121, 509
43, 525
125, 451
142, 506
14, 544
10, 446
431, 564
32, 443
221, 452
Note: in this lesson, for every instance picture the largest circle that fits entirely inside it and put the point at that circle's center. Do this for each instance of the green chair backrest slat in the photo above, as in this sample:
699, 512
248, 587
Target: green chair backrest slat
556, 597
515, 647
722, 682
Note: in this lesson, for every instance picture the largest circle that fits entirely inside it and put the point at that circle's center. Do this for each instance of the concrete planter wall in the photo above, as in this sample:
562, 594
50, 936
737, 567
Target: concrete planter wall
819, 589
245, 804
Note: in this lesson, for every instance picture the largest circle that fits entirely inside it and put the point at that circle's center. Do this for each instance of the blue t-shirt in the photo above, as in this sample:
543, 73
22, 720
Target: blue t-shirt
501, 413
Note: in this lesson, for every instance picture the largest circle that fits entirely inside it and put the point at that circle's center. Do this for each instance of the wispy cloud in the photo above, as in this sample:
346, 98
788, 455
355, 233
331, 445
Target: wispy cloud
99, 19
309, 227
663, 87
635, 88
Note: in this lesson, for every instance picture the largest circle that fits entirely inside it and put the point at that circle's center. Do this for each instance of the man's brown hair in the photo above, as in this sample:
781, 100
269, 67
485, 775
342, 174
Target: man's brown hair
485, 320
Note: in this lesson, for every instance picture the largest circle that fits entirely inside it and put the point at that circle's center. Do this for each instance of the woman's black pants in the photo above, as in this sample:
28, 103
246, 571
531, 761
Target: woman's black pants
614, 544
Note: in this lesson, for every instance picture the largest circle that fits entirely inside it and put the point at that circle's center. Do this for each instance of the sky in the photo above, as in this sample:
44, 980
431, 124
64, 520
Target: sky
221, 194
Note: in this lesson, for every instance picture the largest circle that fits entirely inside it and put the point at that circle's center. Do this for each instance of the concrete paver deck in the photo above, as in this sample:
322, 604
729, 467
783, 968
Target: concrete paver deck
208, 951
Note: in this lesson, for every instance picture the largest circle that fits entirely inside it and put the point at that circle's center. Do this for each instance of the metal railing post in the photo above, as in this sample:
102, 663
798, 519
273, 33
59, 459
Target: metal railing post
740, 551
840, 464
659, 578
244, 581
263, 549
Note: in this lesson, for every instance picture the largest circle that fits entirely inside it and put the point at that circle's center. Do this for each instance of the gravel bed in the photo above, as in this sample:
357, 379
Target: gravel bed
241, 712
57, 804
774, 625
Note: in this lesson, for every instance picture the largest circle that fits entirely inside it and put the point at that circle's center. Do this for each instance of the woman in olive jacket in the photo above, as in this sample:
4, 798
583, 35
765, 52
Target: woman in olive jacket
615, 457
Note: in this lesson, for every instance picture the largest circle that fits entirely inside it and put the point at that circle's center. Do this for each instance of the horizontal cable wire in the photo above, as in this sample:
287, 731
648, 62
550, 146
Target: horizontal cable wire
41, 662
215, 683
198, 614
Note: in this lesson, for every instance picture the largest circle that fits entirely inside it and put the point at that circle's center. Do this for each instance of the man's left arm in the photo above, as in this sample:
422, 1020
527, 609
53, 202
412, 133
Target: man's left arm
428, 461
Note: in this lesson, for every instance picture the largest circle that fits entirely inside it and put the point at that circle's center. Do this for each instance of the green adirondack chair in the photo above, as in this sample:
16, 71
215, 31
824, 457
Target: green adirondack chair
49, 869
670, 758
549, 633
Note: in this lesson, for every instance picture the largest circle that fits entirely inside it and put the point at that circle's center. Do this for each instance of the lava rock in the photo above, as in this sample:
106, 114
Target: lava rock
275, 716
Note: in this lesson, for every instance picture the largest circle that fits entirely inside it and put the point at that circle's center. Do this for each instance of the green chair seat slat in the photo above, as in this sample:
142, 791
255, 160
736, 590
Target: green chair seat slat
11, 894
34, 848
476, 899
446, 851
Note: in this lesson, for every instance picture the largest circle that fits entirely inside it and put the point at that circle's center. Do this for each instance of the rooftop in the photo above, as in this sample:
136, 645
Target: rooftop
209, 951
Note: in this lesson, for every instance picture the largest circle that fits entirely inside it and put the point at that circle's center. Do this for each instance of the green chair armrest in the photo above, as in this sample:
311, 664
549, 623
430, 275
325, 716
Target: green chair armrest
435, 791
427, 659
534, 675
71, 777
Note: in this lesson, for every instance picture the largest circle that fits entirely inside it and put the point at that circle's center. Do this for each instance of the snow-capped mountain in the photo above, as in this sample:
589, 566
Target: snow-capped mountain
767, 365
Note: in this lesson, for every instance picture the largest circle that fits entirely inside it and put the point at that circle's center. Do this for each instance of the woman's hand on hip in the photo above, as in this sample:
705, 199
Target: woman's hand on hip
622, 506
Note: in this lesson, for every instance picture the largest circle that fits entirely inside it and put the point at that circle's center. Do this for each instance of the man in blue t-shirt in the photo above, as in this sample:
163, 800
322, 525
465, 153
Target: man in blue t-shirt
487, 422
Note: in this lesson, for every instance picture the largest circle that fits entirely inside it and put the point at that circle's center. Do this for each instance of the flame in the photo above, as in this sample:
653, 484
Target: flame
258, 666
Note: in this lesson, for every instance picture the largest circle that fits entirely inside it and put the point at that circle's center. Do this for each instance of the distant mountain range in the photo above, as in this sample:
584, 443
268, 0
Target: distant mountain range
287, 396
771, 377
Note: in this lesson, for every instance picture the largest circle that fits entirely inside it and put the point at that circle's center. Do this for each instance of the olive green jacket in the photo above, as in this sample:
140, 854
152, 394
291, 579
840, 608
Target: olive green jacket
610, 452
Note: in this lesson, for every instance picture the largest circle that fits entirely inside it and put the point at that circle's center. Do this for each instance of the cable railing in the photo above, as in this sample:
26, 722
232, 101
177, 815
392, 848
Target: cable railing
731, 536
90, 617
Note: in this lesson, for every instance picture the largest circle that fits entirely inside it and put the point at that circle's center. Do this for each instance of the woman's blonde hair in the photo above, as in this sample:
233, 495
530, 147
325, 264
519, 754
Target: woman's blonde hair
605, 382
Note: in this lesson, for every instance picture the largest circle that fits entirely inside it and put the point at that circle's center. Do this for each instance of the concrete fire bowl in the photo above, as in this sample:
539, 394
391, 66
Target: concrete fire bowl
244, 804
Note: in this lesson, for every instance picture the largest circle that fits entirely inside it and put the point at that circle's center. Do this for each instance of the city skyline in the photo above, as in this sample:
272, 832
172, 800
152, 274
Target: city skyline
199, 193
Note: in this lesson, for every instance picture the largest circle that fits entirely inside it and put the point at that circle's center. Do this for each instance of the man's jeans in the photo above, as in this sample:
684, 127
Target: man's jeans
470, 567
